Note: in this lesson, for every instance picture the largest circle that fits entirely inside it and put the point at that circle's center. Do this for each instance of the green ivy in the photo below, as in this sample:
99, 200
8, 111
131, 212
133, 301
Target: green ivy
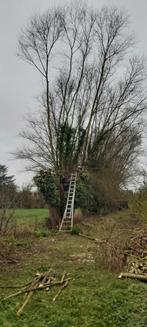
48, 185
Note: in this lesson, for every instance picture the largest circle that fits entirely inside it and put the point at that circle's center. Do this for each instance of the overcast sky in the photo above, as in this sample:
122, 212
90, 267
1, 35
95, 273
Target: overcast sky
20, 84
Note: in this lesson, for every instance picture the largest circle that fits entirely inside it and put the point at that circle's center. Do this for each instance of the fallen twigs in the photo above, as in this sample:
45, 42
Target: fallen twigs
19, 312
42, 281
60, 290
91, 238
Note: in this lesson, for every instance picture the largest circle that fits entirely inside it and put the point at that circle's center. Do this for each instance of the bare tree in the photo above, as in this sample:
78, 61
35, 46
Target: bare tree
93, 89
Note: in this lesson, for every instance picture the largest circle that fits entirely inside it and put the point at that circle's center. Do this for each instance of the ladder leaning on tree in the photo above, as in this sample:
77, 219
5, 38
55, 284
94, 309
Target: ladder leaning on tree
67, 220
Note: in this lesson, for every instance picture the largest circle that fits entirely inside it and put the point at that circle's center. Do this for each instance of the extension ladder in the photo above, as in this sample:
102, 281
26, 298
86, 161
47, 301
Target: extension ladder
67, 220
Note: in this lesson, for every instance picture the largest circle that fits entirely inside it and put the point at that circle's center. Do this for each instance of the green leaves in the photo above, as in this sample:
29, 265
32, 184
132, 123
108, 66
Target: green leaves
48, 185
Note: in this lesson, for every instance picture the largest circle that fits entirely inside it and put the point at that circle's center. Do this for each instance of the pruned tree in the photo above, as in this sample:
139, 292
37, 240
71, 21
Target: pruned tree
93, 95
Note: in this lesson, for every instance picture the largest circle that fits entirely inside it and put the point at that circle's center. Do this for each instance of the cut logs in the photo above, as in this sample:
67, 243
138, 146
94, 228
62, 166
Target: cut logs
136, 254
133, 276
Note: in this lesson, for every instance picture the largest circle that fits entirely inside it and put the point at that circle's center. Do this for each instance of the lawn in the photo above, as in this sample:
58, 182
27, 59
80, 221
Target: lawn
94, 298
26, 216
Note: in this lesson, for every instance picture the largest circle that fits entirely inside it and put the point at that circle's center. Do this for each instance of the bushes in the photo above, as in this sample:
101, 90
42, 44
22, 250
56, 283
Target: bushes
91, 196
7, 221
7, 208
75, 230
48, 185
87, 196
138, 204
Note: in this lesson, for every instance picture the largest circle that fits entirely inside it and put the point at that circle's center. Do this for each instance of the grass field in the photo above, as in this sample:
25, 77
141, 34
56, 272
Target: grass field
94, 298
27, 216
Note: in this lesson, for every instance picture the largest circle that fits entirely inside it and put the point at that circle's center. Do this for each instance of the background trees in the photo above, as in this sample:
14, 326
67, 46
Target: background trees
7, 188
93, 95
7, 199
5, 179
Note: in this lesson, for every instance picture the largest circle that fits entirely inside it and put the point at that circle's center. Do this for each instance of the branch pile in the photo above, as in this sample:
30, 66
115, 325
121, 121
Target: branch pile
136, 257
41, 281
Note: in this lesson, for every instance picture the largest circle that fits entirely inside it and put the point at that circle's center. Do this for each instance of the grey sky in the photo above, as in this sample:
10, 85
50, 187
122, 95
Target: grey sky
20, 84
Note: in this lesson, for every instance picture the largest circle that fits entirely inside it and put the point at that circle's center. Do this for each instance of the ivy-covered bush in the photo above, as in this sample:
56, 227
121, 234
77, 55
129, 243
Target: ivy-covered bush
90, 197
48, 185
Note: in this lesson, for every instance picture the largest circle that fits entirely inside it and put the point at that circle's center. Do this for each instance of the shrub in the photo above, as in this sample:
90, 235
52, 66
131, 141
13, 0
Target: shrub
75, 230
7, 221
48, 185
138, 204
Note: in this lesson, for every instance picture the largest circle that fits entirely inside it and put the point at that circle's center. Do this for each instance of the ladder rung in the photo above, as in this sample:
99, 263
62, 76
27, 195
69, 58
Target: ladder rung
67, 221
67, 224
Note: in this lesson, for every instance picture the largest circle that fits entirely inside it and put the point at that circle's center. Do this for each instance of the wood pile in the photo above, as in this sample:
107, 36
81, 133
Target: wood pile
41, 282
136, 257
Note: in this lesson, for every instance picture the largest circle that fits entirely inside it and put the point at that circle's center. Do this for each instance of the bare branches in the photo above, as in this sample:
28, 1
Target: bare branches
95, 87
37, 42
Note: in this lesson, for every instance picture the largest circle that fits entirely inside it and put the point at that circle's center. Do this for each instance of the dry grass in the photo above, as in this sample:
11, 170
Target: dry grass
115, 234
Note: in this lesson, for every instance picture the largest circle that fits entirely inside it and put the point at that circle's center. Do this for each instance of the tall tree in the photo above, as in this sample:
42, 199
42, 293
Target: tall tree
93, 94
95, 90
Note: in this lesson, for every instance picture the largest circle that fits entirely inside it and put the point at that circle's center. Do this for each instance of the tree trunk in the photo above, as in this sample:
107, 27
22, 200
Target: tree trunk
54, 218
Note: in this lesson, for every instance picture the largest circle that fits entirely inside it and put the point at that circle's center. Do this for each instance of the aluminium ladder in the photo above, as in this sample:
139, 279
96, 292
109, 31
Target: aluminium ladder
67, 220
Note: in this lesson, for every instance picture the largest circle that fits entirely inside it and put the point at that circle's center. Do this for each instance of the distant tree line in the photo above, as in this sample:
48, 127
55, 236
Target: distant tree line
12, 197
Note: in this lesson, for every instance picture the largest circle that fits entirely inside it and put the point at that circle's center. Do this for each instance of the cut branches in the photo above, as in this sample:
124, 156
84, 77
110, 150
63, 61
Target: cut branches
42, 281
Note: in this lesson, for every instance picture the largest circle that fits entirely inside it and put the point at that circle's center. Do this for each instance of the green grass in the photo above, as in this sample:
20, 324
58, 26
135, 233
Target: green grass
94, 298
27, 216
